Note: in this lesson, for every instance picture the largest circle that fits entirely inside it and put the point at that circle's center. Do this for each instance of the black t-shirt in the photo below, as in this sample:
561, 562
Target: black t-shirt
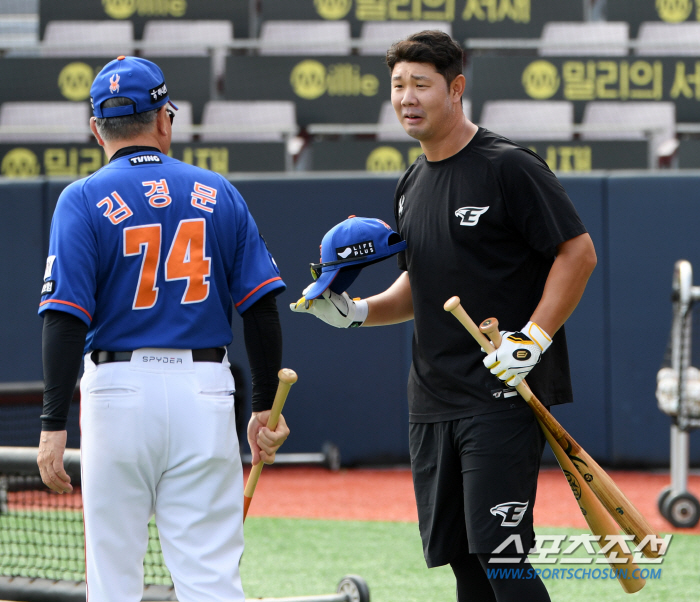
483, 224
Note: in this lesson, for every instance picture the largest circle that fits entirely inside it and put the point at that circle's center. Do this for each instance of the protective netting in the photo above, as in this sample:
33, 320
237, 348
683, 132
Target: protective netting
41, 533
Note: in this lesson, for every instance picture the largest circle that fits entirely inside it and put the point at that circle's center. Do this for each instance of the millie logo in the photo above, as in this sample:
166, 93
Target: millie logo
114, 83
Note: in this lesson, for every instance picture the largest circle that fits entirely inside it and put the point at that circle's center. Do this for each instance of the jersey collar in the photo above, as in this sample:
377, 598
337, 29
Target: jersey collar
130, 150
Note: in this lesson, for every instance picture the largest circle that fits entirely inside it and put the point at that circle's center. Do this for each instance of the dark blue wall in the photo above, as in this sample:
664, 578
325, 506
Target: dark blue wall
352, 384
22, 261
586, 419
653, 222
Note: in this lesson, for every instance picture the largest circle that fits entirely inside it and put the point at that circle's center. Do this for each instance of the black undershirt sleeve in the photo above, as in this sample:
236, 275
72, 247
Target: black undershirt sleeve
263, 343
62, 344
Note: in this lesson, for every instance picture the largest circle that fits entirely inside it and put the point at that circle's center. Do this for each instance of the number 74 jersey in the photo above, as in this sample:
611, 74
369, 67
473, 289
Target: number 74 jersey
152, 252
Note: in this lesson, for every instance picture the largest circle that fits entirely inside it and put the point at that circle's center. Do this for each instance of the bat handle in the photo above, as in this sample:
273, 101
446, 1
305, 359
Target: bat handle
287, 378
490, 328
454, 306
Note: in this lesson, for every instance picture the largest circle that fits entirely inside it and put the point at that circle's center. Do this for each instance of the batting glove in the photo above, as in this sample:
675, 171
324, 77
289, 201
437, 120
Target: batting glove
337, 310
518, 354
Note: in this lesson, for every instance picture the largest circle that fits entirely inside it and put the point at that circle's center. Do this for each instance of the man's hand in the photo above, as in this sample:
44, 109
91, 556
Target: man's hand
264, 443
518, 354
52, 444
337, 310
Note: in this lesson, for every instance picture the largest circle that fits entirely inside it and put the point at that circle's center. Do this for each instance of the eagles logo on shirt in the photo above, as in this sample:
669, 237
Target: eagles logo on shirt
470, 215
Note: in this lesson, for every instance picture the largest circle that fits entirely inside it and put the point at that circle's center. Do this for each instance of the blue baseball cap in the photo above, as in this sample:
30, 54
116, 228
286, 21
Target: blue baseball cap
347, 248
131, 77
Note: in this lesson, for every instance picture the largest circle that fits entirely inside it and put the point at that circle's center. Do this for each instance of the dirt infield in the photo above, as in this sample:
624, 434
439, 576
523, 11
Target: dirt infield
387, 495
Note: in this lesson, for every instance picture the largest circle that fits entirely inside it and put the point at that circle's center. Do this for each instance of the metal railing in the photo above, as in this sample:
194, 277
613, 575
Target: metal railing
353, 44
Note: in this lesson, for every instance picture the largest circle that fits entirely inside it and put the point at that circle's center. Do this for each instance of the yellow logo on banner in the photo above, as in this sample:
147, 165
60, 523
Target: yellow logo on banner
333, 9
541, 80
75, 80
494, 11
308, 79
674, 11
214, 158
20, 163
119, 9
569, 158
385, 158
311, 79
124, 9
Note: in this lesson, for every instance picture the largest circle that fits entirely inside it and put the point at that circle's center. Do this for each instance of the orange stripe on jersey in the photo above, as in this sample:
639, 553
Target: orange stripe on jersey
256, 289
71, 304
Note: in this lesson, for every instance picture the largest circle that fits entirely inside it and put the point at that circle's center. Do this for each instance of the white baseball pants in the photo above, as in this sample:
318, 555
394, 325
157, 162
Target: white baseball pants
158, 437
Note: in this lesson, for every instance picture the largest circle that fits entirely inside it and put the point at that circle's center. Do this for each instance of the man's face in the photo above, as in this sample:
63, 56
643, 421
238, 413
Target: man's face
421, 99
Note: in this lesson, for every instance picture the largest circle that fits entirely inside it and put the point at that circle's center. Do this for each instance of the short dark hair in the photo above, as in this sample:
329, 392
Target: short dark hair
433, 47
124, 126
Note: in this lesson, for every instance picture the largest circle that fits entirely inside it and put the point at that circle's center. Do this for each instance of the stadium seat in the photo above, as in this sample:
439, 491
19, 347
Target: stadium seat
88, 38
592, 38
620, 120
182, 123
188, 38
376, 37
18, 31
305, 37
529, 119
243, 120
395, 131
42, 119
674, 39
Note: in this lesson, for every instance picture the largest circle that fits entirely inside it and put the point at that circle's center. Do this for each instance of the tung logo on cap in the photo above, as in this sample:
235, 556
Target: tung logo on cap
158, 92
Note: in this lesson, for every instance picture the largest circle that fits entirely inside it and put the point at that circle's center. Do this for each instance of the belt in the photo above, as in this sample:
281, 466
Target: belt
212, 354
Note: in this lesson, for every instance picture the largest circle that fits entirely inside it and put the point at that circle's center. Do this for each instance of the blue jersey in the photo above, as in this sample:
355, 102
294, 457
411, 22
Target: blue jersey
152, 252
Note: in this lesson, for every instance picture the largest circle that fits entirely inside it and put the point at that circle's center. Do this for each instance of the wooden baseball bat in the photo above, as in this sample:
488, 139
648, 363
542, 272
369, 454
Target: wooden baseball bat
599, 521
614, 501
287, 379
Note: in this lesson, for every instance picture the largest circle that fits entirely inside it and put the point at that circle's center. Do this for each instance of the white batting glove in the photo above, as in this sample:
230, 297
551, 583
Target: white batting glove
337, 310
518, 354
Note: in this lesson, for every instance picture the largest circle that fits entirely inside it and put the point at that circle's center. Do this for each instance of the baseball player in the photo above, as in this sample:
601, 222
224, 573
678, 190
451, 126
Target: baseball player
486, 220
147, 259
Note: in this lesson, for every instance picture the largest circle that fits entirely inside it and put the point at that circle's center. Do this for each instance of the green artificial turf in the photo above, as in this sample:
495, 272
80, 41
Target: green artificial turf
294, 557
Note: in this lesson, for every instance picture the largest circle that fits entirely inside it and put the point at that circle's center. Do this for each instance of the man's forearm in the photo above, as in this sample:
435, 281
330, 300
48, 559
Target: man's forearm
393, 306
575, 261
